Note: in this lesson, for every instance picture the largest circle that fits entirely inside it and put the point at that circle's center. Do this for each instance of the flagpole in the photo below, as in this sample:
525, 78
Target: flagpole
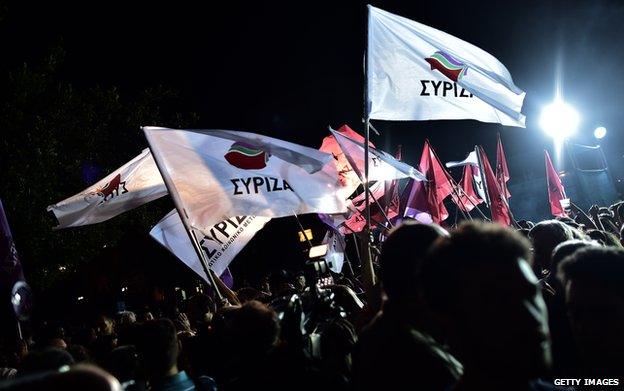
183, 217
368, 263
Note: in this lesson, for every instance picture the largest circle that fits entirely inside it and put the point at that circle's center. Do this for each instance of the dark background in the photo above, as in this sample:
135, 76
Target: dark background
98, 70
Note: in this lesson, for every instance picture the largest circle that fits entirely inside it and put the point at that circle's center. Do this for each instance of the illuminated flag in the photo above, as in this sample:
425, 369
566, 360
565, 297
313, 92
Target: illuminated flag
556, 192
438, 185
221, 242
416, 72
498, 204
470, 159
468, 198
348, 177
382, 165
502, 172
131, 185
219, 173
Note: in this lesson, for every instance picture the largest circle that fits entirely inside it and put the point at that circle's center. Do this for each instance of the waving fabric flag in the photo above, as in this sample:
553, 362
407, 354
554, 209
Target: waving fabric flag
470, 159
416, 72
131, 185
556, 192
502, 172
417, 203
10, 266
348, 177
468, 198
382, 166
438, 183
221, 242
498, 205
218, 174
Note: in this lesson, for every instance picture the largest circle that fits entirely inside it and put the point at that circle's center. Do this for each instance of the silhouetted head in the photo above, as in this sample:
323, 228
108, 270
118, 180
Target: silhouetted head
593, 278
253, 329
157, 345
480, 284
401, 258
546, 235
50, 359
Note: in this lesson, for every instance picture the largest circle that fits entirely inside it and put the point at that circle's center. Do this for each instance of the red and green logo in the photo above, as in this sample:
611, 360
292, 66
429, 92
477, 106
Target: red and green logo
247, 157
447, 65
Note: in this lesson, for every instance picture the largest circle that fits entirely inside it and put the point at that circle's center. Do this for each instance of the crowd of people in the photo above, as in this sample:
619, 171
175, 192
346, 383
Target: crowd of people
476, 307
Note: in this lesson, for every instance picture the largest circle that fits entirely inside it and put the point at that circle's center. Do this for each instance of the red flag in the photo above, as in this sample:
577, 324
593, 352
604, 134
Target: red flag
498, 206
357, 221
502, 172
556, 192
438, 185
348, 177
468, 198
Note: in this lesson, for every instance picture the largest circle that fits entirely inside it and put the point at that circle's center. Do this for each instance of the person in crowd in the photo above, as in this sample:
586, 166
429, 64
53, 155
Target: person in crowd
595, 300
479, 284
565, 356
79, 378
157, 345
398, 342
48, 359
546, 235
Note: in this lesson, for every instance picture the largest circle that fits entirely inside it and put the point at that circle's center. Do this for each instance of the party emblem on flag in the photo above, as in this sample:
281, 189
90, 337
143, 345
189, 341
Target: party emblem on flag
447, 65
110, 190
246, 156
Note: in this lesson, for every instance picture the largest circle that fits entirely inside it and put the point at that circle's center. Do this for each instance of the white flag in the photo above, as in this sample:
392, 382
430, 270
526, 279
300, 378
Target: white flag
382, 165
470, 159
336, 245
218, 174
416, 72
132, 185
221, 242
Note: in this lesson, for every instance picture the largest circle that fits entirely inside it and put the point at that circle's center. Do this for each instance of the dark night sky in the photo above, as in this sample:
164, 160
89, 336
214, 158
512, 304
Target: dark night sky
290, 69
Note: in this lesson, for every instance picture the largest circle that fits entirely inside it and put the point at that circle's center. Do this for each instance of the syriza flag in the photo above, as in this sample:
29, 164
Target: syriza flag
131, 185
381, 165
221, 242
416, 72
217, 174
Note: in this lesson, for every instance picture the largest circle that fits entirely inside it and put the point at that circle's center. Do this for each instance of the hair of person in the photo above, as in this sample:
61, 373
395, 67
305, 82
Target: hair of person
158, 345
401, 257
555, 229
471, 245
568, 248
50, 359
603, 265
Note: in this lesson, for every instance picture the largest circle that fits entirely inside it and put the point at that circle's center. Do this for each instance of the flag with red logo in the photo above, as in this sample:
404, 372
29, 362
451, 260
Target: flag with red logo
348, 177
218, 174
131, 185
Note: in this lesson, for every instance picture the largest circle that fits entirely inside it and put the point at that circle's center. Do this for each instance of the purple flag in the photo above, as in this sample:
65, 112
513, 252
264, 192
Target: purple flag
10, 267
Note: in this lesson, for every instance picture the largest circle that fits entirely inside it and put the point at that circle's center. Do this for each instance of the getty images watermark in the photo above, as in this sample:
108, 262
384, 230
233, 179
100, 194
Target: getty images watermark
587, 382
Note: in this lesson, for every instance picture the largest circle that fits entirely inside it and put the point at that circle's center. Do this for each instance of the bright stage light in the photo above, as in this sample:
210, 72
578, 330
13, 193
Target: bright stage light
559, 120
600, 132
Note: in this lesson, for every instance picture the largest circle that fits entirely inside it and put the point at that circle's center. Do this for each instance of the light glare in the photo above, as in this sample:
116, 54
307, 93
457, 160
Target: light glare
559, 120
600, 132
